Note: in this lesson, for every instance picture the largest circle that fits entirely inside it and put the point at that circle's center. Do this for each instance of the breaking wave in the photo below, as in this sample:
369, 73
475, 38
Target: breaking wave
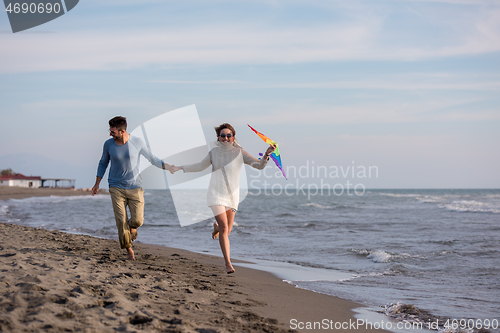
470, 206
410, 313
312, 204
56, 199
457, 202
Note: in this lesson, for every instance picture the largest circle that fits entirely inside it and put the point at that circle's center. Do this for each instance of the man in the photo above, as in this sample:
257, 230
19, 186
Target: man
125, 185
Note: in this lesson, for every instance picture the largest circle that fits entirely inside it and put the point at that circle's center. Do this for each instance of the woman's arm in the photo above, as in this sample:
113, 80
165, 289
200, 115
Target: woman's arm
258, 164
254, 162
200, 166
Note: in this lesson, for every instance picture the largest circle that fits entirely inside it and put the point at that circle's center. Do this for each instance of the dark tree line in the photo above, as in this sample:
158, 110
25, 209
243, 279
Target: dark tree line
7, 172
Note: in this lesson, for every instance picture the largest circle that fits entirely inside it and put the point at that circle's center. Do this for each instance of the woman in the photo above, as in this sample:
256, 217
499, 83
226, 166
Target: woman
223, 192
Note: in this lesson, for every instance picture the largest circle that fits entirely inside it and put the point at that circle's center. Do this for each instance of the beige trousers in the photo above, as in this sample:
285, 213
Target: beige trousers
134, 199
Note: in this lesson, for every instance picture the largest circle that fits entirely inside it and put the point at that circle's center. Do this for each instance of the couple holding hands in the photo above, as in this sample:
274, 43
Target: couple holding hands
226, 159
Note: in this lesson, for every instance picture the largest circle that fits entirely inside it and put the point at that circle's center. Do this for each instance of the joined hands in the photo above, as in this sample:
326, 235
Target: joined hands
174, 169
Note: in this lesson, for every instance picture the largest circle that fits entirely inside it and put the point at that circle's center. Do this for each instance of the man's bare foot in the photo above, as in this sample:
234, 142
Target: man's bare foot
130, 254
229, 269
215, 233
133, 234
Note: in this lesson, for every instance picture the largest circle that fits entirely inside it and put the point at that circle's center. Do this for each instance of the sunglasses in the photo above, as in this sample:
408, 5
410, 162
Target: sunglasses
226, 135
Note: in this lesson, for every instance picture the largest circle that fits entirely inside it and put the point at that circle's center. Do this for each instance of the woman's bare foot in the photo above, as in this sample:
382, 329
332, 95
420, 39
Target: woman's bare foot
130, 254
229, 269
215, 233
133, 233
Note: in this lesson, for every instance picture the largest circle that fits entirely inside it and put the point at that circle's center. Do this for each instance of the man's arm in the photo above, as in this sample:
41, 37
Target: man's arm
101, 169
146, 152
95, 189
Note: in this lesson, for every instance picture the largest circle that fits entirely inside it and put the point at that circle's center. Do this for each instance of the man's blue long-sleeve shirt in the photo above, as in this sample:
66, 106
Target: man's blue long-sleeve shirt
125, 159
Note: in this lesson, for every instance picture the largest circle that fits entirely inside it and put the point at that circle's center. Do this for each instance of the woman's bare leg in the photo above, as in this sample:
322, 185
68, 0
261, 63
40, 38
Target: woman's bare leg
230, 219
215, 233
225, 220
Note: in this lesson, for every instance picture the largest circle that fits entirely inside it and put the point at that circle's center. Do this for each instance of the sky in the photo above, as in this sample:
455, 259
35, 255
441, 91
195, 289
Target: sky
409, 88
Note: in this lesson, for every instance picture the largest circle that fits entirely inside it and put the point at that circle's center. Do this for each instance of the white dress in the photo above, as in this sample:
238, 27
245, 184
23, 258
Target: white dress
226, 161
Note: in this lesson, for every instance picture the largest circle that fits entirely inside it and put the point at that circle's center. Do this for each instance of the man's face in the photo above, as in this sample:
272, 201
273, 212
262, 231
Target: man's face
115, 133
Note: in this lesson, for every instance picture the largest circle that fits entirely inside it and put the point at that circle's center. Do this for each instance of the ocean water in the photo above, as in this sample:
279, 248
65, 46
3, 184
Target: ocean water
410, 254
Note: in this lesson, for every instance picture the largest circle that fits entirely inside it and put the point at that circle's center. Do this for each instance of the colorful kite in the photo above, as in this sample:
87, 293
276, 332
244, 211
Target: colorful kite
275, 155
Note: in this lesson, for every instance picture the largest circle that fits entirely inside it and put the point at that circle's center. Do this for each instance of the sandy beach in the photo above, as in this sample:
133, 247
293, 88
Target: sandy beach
52, 281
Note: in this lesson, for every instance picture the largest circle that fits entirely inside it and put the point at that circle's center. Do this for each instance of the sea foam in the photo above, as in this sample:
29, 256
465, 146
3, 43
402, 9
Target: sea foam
471, 206
4, 210
316, 205
56, 199
379, 256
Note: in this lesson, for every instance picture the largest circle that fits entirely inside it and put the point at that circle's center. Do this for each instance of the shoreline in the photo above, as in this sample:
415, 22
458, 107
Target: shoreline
14, 192
81, 282
55, 281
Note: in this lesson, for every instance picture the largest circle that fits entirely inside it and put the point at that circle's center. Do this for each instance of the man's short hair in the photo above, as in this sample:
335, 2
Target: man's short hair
119, 122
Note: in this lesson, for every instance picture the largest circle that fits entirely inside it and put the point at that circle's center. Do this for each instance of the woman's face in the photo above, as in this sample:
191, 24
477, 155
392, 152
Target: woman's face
226, 137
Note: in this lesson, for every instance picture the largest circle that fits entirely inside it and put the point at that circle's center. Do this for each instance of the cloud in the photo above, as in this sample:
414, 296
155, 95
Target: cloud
87, 107
457, 2
410, 81
199, 82
364, 38
393, 82
231, 45
365, 112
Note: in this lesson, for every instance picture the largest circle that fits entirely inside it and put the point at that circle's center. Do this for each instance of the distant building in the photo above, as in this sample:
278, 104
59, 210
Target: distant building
58, 183
20, 180
35, 182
